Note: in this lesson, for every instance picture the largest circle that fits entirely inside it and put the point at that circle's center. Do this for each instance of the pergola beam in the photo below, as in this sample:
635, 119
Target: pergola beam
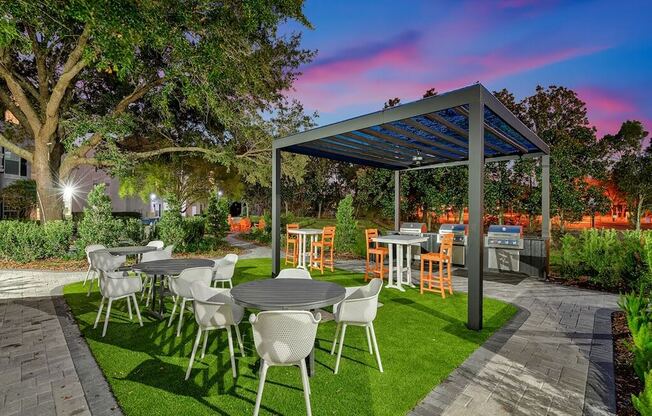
419, 148
486, 160
457, 129
500, 136
423, 140
374, 148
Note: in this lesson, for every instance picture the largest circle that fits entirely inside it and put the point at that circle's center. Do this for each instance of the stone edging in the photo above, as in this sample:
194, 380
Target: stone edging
600, 398
98, 393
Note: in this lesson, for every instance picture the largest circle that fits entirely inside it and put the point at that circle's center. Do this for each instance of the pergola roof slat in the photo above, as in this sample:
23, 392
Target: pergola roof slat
434, 130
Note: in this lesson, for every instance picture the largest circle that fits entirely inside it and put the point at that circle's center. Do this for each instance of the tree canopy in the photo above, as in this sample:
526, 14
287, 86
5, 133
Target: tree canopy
111, 83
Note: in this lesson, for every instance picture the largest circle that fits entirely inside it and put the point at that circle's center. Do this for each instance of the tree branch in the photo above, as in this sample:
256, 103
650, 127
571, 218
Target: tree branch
41, 68
74, 64
21, 99
15, 110
122, 105
25, 154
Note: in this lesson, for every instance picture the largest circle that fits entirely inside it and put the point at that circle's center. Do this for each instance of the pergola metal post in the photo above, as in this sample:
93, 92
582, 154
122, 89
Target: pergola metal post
545, 206
476, 213
397, 200
276, 212
545, 196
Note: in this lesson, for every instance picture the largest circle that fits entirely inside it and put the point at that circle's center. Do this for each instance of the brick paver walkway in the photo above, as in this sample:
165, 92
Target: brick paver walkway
45, 365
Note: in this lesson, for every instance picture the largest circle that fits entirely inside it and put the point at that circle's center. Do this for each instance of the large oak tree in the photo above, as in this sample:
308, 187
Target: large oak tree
109, 83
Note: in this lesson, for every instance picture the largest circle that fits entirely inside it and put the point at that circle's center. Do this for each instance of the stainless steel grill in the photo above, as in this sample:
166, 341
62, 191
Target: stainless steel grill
459, 232
504, 244
413, 228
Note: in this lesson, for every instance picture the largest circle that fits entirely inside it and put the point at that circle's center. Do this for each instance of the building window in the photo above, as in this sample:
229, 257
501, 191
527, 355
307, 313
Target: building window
12, 164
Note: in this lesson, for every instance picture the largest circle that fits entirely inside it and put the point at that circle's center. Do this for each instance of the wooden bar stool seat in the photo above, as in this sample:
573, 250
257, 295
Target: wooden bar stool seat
430, 283
317, 249
375, 264
291, 257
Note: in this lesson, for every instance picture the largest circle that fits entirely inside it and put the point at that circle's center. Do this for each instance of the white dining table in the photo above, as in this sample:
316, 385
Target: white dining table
302, 234
403, 272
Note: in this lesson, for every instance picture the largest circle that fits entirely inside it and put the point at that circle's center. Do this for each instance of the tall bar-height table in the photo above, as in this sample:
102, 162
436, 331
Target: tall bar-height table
400, 241
302, 234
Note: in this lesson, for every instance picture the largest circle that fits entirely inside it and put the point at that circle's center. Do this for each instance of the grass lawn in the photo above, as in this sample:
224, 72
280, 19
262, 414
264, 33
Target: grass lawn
421, 340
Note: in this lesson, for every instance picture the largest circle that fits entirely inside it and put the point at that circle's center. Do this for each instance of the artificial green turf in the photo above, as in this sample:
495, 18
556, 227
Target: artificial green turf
422, 338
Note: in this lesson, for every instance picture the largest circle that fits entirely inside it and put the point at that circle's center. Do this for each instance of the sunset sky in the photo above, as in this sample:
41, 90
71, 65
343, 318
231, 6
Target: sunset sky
370, 51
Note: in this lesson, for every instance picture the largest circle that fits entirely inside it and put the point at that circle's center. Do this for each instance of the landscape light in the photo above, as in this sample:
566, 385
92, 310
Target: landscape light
220, 193
68, 192
152, 196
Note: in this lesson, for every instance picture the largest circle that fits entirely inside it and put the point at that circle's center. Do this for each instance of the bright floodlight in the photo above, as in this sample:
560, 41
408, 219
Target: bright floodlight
68, 192
152, 196
220, 193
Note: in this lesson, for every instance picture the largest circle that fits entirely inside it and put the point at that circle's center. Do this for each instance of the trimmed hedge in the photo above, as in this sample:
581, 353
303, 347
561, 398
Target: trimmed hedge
25, 241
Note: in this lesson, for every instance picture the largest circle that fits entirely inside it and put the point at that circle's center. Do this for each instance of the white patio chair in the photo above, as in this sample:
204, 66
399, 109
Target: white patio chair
220, 312
294, 274
358, 309
284, 338
114, 285
162, 254
91, 271
180, 288
156, 243
224, 269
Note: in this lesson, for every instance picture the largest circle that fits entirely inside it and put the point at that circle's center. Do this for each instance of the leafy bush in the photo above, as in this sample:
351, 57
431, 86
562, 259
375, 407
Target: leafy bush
98, 225
347, 226
638, 311
194, 230
612, 260
27, 241
20, 196
217, 214
643, 402
133, 230
171, 227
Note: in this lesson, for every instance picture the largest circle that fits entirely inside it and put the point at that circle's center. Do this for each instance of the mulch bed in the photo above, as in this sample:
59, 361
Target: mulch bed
582, 282
627, 383
63, 265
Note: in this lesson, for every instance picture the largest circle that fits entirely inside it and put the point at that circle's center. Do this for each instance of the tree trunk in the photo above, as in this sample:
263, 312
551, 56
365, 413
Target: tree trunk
592, 220
639, 212
561, 222
461, 219
47, 188
319, 210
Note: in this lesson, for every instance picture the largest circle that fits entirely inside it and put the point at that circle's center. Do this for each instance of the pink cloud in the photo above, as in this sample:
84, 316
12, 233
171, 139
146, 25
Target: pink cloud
605, 101
608, 109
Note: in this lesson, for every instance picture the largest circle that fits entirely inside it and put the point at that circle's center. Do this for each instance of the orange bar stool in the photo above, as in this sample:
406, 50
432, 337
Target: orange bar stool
291, 240
436, 283
375, 254
317, 249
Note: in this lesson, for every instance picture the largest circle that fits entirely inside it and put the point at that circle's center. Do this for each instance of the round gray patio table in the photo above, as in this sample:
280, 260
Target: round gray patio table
130, 250
169, 267
289, 294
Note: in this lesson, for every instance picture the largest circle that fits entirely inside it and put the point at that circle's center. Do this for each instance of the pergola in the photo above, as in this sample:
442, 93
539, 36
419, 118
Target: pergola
468, 126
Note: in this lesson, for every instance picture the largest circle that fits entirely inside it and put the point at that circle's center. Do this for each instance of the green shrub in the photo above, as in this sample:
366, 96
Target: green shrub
133, 230
642, 349
171, 227
217, 214
58, 237
27, 241
194, 230
643, 402
569, 260
347, 226
98, 225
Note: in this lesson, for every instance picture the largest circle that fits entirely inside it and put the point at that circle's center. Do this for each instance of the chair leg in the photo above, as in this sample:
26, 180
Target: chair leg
261, 386
332, 250
106, 318
337, 332
174, 309
441, 279
239, 337
90, 286
366, 268
373, 338
140, 319
321, 259
231, 353
182, 311
99, 313
366, 330
230, 284
339, 350
306, 385
450, 277
194, 351
87, 273
203, 348
131, 315
149, 294
421, 276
